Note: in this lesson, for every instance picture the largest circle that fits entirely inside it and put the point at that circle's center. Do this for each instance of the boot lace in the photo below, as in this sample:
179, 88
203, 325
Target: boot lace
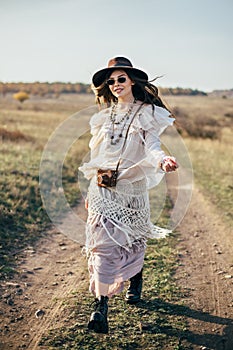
100, 305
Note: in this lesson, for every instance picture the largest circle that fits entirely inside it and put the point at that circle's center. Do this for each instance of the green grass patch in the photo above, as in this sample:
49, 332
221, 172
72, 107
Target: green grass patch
22, 217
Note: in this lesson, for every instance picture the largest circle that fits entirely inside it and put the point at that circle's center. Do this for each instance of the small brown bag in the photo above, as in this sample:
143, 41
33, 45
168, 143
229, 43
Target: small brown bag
108, 178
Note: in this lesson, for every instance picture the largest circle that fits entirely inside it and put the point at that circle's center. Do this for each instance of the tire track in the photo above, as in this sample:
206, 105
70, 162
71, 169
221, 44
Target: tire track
55, 307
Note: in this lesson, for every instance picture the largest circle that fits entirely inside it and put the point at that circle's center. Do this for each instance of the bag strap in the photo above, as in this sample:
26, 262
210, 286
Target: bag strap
126, 135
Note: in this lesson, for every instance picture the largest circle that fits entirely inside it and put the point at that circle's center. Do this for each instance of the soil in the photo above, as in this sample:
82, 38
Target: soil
206, 272
33, 301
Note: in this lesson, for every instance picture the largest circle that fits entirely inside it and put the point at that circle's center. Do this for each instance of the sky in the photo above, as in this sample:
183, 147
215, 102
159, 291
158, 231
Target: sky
188, 42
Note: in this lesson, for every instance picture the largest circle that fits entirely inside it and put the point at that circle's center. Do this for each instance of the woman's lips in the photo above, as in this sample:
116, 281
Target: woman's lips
118, 90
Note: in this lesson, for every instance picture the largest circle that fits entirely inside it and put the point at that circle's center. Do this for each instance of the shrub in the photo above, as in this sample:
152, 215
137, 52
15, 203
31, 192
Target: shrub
16, 135
229, 115
198, 126
21, 96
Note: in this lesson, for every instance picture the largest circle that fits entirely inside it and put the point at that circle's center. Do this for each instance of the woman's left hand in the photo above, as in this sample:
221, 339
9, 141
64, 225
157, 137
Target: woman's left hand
169, 164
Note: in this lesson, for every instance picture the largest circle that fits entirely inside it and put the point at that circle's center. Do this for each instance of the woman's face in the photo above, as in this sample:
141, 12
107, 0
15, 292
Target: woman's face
121, 88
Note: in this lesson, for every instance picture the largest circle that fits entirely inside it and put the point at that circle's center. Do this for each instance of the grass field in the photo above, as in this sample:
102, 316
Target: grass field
211, 156
24, 132
205, 123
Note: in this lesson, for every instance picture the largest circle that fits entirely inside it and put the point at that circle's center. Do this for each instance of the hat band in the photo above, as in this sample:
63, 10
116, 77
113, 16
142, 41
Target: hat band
120, 65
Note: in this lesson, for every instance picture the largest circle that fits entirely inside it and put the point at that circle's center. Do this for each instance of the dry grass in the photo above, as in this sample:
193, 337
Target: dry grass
23, 136
201, 117
211, 156
213, 170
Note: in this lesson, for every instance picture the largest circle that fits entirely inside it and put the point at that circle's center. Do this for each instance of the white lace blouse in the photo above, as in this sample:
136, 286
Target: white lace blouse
142, 152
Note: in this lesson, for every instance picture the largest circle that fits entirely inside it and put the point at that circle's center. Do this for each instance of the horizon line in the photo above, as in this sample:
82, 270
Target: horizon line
89, 84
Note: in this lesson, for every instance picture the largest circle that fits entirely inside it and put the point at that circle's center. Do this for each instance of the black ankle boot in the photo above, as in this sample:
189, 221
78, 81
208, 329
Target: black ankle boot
98, 320
133, 294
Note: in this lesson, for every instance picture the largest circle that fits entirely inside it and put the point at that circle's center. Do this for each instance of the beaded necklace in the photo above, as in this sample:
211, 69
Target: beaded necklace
116, 138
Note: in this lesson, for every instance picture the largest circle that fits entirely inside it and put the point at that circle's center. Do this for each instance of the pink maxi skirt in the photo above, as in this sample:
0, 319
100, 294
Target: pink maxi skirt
117, 229
112, 264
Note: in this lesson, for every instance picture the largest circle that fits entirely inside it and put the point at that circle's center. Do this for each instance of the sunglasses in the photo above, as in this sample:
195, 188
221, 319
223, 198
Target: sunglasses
120, 80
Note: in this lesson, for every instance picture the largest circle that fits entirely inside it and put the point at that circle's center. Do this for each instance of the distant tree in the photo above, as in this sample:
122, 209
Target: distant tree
21, 96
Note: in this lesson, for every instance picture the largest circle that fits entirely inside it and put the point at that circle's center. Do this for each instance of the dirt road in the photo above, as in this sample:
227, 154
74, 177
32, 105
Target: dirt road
206, 271
33, 302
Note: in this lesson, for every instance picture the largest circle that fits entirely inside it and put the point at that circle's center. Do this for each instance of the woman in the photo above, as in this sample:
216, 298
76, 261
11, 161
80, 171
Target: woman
125, 135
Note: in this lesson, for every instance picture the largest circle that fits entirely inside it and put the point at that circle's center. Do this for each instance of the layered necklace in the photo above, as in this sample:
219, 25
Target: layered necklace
114, 137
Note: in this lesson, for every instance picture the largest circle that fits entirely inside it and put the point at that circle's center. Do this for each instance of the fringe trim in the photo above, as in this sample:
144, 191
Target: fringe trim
123, 217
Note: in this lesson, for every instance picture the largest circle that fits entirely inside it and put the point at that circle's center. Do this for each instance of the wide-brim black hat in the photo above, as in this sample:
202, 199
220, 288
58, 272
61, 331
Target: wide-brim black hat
117, 63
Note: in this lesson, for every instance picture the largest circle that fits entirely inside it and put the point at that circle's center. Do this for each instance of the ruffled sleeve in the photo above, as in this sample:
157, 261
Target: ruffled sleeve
158, 120
96, 123
97, 120
97, 131
152, 124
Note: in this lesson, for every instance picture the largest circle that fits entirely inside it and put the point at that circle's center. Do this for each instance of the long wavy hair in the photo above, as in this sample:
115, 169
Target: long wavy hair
142, 91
